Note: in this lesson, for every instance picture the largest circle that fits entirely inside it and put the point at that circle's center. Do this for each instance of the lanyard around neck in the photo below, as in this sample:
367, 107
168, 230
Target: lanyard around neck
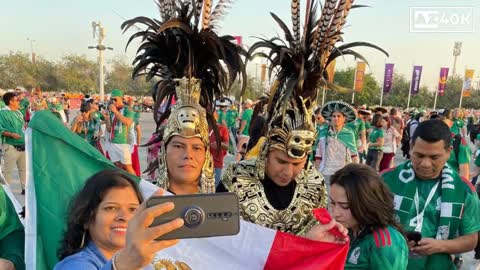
419, 216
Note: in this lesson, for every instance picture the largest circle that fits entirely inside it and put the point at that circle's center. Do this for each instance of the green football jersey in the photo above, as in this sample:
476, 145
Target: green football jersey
24, 103
247, 116
464, 154
374, 136
120, 130
457, 125
384, 248
357, 126
231, 118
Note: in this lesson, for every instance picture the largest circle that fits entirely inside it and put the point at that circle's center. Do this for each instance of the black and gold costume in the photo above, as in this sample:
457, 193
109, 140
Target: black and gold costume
298, 65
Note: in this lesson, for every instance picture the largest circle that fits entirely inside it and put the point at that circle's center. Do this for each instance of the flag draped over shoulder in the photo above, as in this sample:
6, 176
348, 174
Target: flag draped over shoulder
59, 163
254, 248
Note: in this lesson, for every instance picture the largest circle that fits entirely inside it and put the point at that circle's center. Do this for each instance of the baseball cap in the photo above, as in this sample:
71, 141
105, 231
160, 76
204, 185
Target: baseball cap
116, 93
444, 113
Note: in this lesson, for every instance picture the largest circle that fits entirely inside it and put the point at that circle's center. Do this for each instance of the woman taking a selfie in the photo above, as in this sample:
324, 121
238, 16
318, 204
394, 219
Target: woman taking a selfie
360, 201
108, 226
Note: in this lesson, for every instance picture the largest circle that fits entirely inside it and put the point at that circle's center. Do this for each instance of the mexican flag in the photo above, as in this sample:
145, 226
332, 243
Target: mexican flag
59, 162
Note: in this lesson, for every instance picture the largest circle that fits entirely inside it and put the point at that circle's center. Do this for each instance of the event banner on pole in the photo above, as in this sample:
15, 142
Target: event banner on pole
359, 76
331, 70
442, 82
388, 78
416, 76
467, 84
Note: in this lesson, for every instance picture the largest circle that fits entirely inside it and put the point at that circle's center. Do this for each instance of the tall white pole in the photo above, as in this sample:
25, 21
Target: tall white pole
409, 96
461, 98
410, 88
31, 49
381, 97
435, 102
383, 83
354, 80
101, 36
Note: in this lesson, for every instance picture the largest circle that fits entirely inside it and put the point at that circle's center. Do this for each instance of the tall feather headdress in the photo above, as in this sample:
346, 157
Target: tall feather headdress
184, 44
299, 67
194, 66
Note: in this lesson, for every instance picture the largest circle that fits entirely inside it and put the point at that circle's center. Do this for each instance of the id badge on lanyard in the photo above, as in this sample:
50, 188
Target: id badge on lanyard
417, 221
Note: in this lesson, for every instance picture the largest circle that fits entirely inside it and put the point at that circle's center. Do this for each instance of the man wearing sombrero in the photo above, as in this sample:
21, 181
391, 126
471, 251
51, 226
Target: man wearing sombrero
337, 146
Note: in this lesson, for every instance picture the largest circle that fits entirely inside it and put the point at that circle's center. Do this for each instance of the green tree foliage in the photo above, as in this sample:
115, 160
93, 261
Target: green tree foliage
120, 77
254, 89
453, 90
398, 95
76, 73
16, 69
370, 93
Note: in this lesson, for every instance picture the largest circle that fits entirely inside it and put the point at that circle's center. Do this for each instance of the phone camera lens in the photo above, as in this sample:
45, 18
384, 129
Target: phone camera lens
193, 217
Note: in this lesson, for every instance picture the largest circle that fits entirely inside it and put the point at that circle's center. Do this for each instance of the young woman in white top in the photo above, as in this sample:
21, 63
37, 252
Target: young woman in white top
391, 141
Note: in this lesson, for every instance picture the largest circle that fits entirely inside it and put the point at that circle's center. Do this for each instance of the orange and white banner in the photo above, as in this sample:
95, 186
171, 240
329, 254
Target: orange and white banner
467, 83
359, 76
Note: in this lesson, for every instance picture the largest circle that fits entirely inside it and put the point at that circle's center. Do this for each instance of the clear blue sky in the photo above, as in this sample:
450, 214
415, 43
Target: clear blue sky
62, 27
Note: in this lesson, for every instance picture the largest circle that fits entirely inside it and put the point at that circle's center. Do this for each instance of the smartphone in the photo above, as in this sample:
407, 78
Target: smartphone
205, 215
414, 236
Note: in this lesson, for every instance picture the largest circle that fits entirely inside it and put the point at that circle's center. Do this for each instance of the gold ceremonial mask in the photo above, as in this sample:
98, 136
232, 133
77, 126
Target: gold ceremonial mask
187, 119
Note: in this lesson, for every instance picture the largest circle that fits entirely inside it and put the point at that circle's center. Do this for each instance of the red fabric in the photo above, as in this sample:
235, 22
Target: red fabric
469, 184
218, 156
386, 161
323, 216
112, 131
100, 148
382, 237
27, 116
294, 253
136, 161
387, 233
375, 236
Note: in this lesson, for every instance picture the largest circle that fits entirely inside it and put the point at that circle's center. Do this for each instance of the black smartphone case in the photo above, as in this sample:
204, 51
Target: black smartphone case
205, 215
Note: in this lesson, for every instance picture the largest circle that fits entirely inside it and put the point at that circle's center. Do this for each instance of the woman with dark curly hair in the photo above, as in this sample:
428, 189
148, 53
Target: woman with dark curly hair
106, 226
360, 201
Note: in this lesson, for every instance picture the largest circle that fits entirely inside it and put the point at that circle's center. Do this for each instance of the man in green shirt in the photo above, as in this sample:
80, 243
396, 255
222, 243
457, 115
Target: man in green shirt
13, 138
363, 115
243, 134
231, 119
433, 200
118, 125
359, 130
222, 112
12, 236
460, 155
24, 102
136, 106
